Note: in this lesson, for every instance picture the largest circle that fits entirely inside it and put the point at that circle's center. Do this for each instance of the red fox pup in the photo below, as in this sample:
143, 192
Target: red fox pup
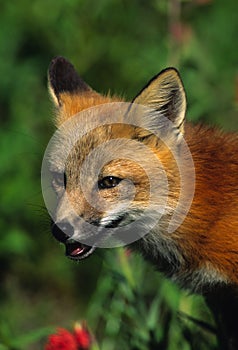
167, 188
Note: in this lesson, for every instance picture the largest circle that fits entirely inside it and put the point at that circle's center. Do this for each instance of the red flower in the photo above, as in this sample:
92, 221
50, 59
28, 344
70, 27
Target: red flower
82, 336
62, 340
80, 339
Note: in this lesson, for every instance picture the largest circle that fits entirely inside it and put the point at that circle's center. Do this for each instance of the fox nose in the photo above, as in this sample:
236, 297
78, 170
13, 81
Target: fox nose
62, 231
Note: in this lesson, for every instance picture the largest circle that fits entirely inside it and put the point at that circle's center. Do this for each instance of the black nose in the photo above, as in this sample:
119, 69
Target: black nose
62, 231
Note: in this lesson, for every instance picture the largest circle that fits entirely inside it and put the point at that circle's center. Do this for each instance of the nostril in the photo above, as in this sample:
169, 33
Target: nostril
62, 231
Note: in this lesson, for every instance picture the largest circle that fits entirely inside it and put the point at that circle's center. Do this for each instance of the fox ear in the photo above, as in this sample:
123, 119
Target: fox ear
165, 95
63, 78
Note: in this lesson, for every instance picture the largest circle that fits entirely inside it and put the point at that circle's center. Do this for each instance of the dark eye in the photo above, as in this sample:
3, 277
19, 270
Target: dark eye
108, 182
65, 180
59, 179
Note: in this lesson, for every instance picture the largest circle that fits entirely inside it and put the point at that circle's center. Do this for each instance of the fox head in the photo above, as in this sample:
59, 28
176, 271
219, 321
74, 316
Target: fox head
114, 164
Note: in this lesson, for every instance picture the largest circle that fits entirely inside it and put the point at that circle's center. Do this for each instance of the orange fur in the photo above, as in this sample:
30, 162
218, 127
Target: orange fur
73, 104
211, 227
210, 231
205, 246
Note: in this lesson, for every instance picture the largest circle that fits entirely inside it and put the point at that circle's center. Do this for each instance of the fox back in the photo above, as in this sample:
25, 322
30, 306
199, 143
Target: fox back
138, 174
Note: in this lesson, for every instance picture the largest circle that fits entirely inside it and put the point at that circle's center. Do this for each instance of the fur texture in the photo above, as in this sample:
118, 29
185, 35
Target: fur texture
203, 251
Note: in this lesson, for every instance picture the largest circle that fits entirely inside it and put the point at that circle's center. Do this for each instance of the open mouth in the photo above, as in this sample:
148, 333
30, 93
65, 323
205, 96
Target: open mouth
76, 250
73, 249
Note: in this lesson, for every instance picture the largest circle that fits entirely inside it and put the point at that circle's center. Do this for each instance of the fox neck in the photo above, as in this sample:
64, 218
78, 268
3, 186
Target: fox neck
203, 251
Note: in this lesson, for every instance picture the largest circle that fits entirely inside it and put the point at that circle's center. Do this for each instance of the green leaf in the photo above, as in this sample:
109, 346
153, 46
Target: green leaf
22, 341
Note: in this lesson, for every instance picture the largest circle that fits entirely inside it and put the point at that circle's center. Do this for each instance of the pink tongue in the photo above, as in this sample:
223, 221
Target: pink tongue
77, 251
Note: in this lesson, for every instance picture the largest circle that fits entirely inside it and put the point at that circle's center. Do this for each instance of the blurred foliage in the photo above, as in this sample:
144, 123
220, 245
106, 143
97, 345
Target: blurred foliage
117, 45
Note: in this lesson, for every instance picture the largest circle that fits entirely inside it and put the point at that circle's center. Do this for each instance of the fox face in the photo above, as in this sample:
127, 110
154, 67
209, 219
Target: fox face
123, 174
117, 167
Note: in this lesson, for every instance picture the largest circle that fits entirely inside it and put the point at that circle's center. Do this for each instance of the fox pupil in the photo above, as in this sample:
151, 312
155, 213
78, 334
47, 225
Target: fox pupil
108, 182
65, 181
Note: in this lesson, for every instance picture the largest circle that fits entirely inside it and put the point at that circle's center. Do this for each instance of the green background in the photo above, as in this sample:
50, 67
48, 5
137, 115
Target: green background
116, 45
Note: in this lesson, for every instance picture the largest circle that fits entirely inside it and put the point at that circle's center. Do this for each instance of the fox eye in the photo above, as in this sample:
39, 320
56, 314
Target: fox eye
59, 179
108, 182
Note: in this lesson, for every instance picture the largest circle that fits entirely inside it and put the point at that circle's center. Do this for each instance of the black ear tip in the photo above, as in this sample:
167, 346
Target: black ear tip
58, 63
63, 77
59, 67
171, 71
59, 59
